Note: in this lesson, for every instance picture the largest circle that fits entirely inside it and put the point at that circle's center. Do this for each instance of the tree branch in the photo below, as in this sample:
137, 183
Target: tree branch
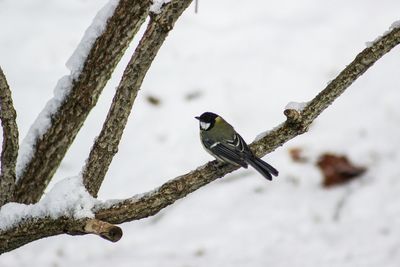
297, 123
10, 141
148, 204
103, 57
106, 144
32, 229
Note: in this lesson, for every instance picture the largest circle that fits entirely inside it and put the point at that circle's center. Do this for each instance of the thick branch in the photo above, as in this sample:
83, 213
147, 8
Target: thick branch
106, 144
10, 142
36, 228
152, 202
103, 57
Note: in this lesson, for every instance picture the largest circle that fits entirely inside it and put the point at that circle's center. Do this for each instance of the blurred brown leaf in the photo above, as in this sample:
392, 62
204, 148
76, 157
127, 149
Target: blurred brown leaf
338, 169
296, 153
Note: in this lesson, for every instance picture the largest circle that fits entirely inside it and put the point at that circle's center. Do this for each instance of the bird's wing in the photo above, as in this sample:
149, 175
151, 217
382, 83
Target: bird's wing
226, 152
237, 143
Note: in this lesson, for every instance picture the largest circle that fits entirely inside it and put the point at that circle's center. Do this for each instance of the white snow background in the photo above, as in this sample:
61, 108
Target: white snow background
246, 60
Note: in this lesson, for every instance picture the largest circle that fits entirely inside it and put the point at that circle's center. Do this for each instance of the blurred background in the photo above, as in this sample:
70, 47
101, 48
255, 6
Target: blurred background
244, 60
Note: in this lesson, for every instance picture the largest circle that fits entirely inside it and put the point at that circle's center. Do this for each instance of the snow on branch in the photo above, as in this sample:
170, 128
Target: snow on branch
150, 203
67, 198
42, 123
67, 208
76, 94
64, 85
9, 150
157, 6
77, 60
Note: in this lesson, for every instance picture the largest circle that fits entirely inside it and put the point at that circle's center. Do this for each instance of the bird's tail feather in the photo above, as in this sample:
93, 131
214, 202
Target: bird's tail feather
263, 168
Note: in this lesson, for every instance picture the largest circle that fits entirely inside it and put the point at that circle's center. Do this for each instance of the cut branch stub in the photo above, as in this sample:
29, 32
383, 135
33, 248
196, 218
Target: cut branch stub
103, 229
294, 119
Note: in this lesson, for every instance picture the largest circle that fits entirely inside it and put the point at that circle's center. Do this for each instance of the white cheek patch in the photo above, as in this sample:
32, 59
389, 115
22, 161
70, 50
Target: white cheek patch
204, 125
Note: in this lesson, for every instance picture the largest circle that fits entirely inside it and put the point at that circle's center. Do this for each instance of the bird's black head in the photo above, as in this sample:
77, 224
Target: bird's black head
207, 120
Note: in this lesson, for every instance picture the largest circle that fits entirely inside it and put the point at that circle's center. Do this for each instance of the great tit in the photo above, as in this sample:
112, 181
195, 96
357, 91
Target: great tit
225, 144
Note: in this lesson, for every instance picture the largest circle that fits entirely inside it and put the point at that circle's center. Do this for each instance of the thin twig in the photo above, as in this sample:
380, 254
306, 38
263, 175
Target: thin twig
10, 142
152, 202
106, 144
103, 57
341, 203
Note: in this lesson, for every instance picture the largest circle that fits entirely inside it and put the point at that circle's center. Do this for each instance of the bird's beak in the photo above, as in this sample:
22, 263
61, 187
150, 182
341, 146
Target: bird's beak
197, 118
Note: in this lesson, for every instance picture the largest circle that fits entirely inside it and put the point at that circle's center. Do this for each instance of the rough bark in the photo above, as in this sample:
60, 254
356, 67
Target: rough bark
98, 67
32, 229
106, 144
9, 150
152, 202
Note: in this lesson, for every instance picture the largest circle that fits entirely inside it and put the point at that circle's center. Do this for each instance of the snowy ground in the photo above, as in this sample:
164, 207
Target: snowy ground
246, 61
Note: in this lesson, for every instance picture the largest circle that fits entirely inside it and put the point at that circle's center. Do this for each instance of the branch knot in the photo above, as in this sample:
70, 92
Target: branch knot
295, 120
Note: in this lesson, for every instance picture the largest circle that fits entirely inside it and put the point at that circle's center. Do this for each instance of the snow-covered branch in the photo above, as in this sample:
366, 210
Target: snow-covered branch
10, 142
106, 144
76, 94
28, 229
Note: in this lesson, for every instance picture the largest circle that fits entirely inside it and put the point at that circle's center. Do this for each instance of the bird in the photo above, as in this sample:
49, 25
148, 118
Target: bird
221, 140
